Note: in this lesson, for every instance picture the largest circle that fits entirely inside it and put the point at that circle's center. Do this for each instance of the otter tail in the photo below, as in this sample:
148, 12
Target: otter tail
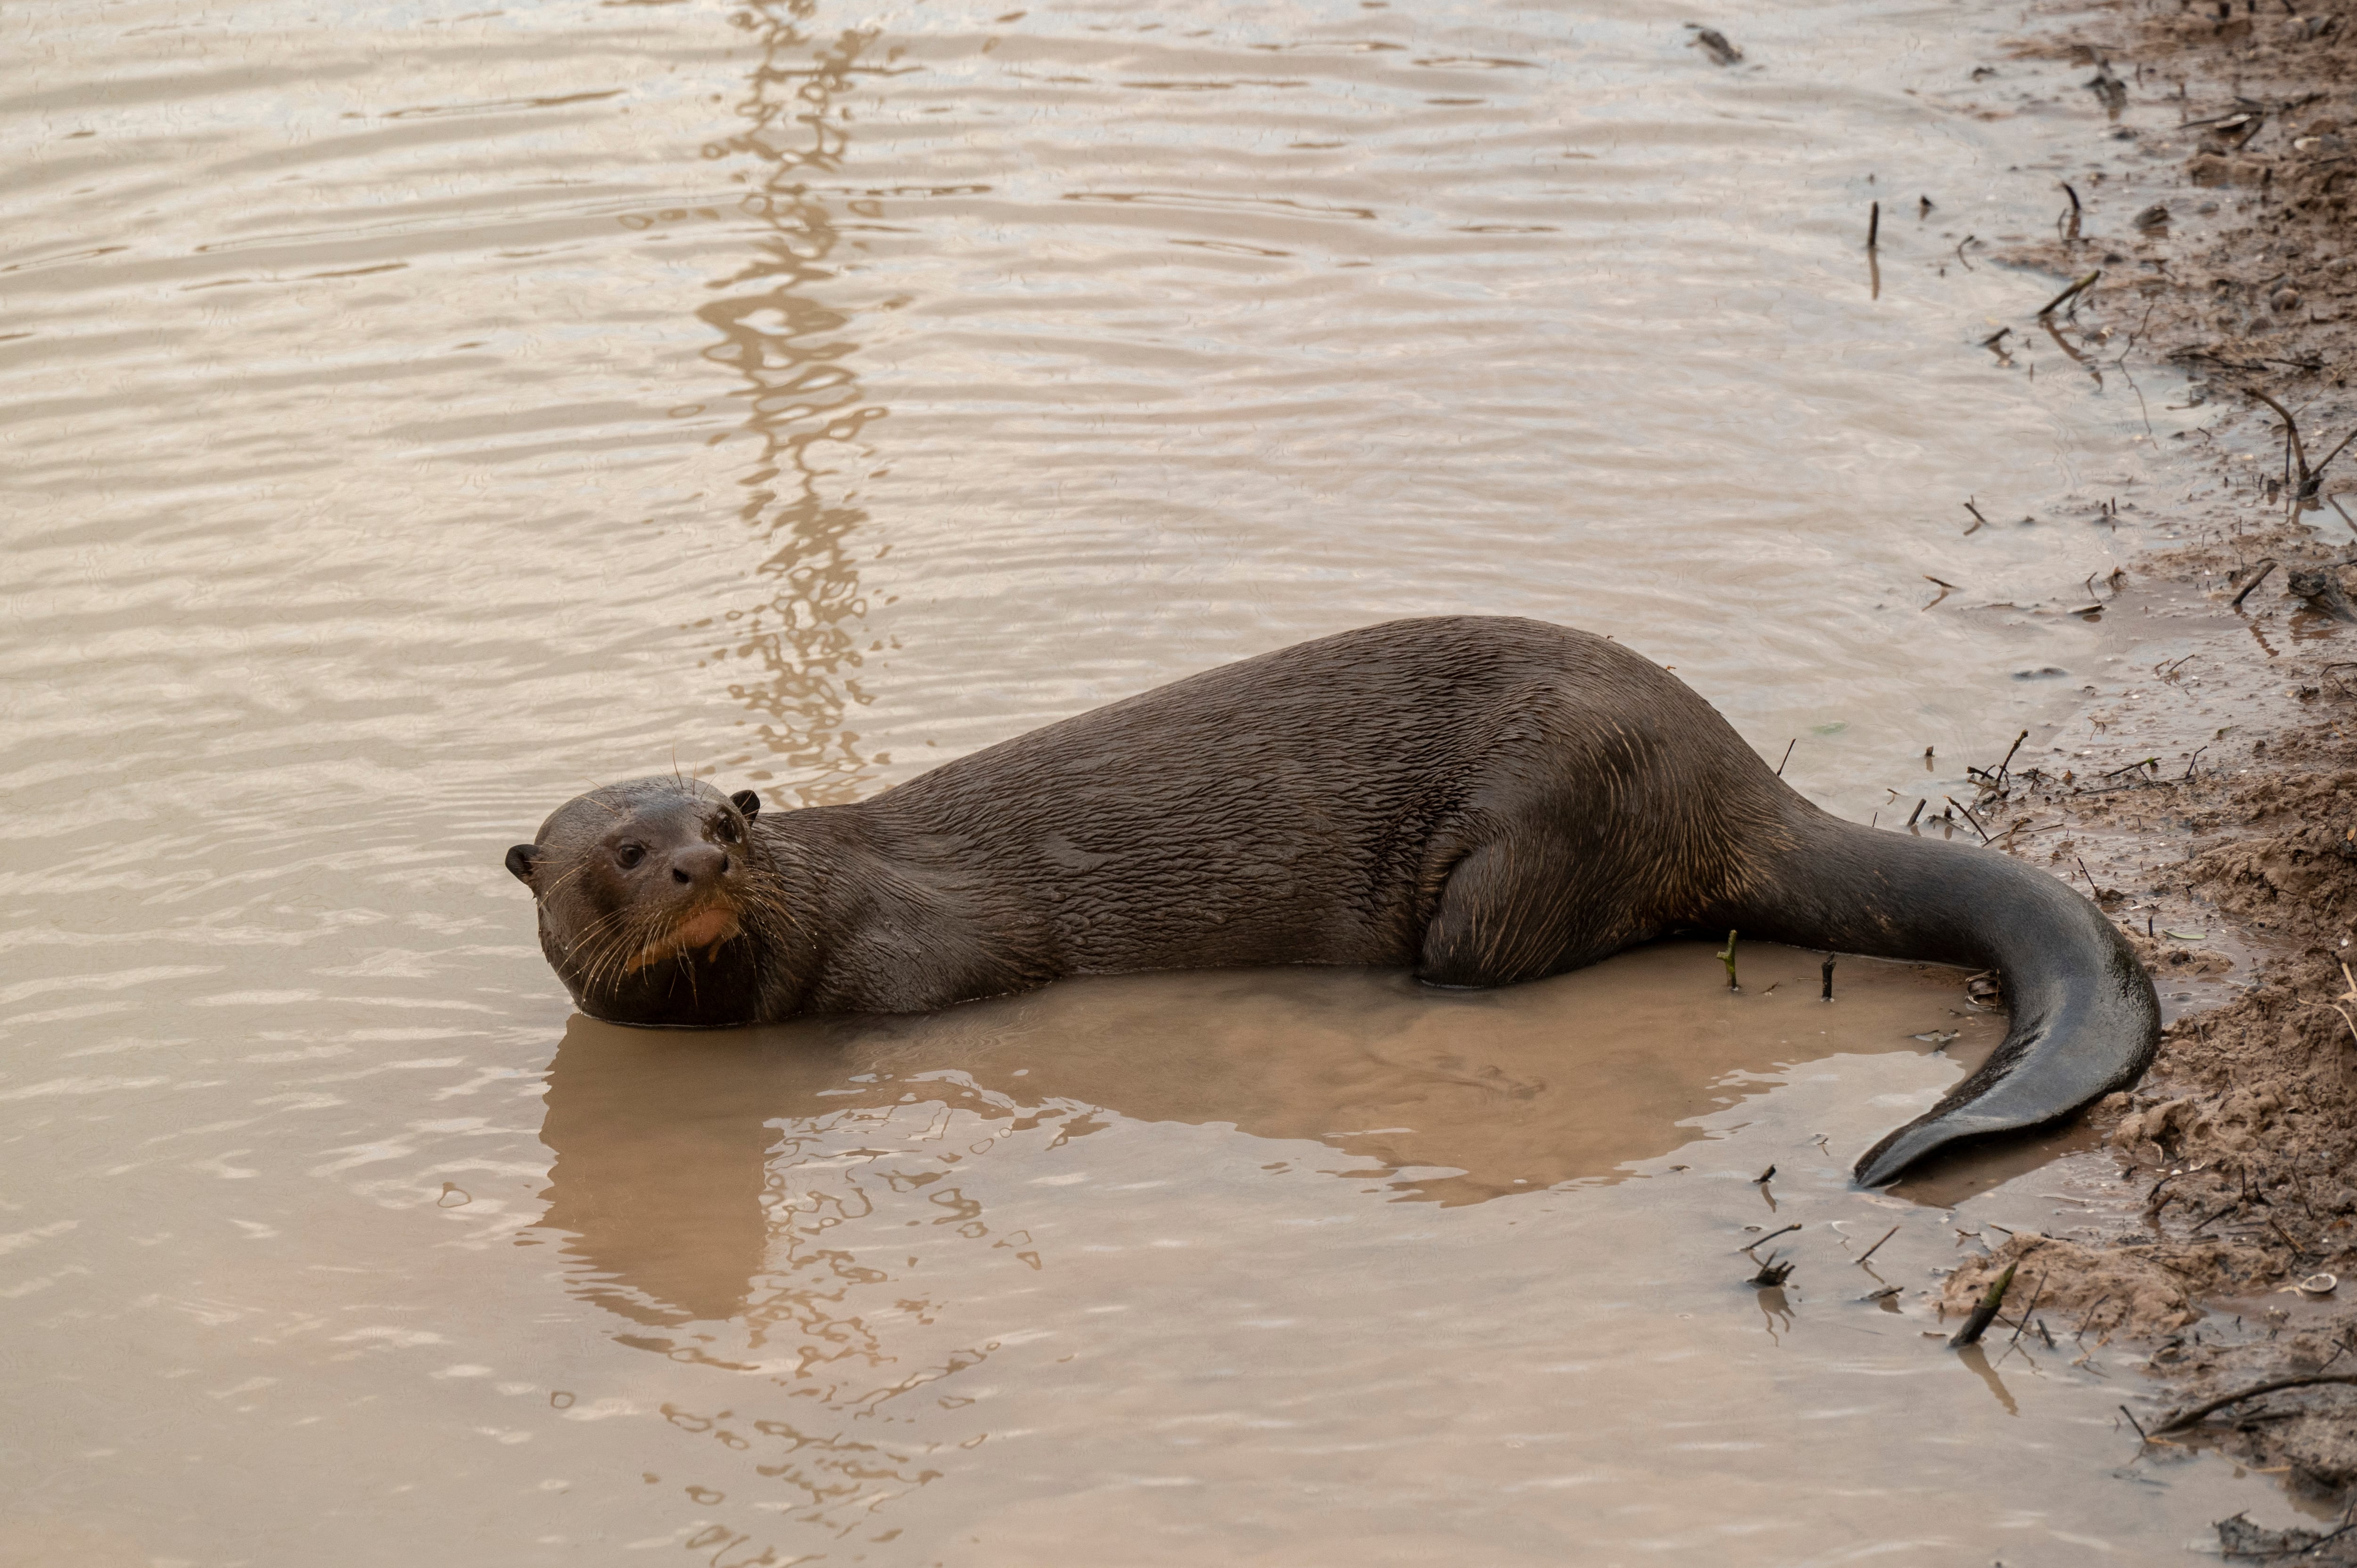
2084, 1020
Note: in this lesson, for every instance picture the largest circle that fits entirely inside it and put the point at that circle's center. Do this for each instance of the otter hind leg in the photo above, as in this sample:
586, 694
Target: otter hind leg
1514, 910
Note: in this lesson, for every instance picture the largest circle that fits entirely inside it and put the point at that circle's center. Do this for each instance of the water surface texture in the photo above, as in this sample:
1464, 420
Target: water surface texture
412, 413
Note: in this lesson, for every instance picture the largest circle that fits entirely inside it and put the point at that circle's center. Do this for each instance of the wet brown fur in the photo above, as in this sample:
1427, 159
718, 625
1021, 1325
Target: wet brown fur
1483, 800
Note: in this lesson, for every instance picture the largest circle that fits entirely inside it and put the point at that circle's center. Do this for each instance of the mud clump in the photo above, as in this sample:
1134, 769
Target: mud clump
2078, 1290
2241, 1540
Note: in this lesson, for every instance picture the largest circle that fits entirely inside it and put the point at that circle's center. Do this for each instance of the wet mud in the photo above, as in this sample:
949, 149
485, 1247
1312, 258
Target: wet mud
2206, 793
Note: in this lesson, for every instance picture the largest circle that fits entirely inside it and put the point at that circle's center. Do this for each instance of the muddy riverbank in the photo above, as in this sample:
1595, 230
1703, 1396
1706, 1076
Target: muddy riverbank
2208, 795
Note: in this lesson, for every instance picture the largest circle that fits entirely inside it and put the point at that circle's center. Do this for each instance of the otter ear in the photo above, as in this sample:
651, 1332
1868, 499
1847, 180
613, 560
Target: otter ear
520, 860
748, 802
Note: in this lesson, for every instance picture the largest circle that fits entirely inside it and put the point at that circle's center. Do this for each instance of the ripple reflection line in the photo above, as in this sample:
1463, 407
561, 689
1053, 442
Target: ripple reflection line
803, 405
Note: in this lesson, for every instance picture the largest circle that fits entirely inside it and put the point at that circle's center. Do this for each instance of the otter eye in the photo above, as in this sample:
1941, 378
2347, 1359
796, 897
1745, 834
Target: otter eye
629, 855
725, 828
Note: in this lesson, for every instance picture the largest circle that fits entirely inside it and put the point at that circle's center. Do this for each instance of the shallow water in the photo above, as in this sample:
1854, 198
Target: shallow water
410, 413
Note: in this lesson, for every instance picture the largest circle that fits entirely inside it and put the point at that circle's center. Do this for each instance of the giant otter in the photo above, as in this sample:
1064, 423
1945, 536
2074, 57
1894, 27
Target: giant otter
1483, 800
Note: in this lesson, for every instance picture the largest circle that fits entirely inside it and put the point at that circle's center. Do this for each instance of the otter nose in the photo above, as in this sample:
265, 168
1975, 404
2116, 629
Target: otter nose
699, 865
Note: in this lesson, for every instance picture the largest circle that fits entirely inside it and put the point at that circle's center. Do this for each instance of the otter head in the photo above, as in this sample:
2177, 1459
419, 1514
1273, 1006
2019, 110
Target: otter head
642, 889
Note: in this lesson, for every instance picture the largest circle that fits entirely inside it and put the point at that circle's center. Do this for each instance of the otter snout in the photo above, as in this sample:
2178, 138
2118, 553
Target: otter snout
699, 866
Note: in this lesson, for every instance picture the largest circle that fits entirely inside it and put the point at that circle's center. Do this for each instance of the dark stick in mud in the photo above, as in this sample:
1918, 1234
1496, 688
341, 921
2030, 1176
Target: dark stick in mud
1870, 1252
2265, 566
1728, 958
1829, 978
2037, 1295
1873, 225
2307, 477
2088, 1317
1984, 1312
2295, 450
2185, 1417
1772, 1235
2213, 1217
1787, 755
2316, 475
2076, 289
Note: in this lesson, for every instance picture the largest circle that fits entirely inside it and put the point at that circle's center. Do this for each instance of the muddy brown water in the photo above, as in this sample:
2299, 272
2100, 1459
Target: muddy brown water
411, 414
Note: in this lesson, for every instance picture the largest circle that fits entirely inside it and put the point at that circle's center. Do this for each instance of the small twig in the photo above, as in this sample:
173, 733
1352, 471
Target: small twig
2075, 289
1979, 521
2266, 565
1971, 239
1968, 816
2316, 476
1770, 1237
2037, 1295
1728, 958
1787, 755
2205, 1221
1870, 1252
2088, 1316
1873, 225
2123, 789
2293, 448
2188, 1417
2298, 1251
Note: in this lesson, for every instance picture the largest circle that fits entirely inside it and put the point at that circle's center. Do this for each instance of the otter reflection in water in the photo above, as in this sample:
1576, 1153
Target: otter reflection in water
754, 1175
